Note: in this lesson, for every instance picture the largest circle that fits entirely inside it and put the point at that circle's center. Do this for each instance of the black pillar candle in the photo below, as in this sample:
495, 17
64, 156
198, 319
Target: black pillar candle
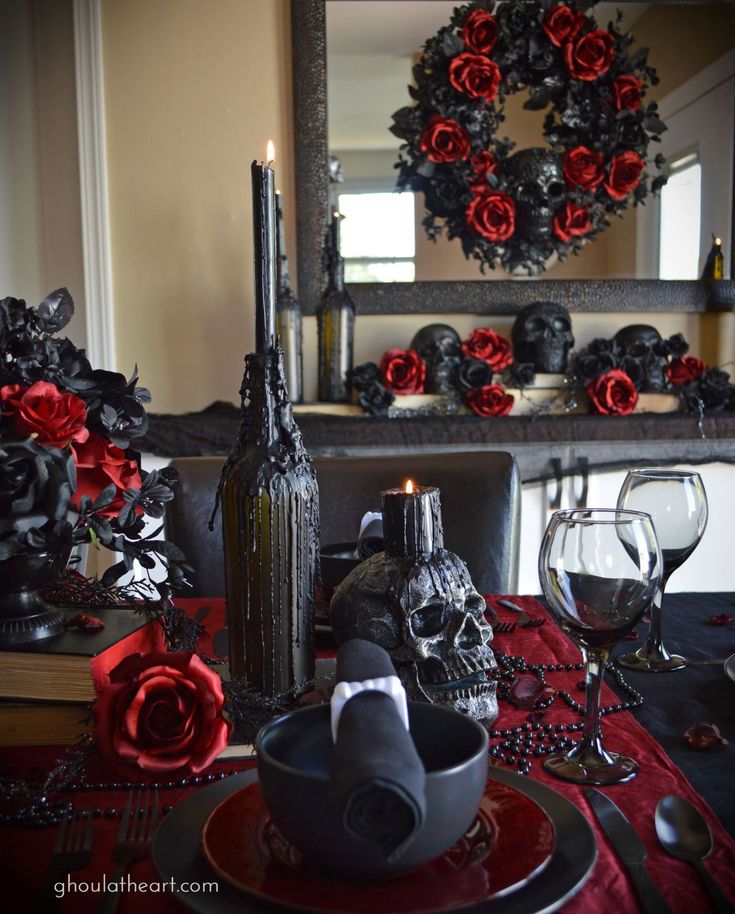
412, 522
264, 255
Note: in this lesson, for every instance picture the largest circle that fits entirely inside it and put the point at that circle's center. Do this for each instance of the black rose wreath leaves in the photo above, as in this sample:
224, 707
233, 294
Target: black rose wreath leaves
517, 209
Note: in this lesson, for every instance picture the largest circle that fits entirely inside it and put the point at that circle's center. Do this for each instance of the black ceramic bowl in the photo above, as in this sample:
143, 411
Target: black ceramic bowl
294, 754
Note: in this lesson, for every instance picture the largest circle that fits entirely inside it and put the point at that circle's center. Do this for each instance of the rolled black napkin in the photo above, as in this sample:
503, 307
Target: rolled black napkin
370, 540
378, 780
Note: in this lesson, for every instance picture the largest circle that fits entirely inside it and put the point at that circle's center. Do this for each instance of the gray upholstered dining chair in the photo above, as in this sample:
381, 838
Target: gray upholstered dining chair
480, 496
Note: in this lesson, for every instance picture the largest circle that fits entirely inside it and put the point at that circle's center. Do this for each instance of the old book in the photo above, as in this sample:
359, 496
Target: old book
42, 723
67, 668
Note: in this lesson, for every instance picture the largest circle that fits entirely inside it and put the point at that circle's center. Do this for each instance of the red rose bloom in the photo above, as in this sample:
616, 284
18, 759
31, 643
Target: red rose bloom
98, 464
625, 174
475, 75
562, 23
483, 164
488, 346
492, 215
571, 221
685, 369
627, 93
490, 400
404, 371
590, 56
480, 31
161, 712
444, 140
55, 418
613, 393
583, 168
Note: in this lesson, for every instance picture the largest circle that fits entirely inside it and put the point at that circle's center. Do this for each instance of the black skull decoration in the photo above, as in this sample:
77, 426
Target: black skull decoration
439, 346
642, 356
425, 611
542, 335
538, 188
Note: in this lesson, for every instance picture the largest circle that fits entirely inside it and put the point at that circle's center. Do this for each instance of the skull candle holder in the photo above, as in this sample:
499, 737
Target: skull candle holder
418, 602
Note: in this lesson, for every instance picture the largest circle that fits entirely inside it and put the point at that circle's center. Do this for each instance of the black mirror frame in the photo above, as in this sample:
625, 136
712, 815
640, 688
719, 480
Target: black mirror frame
309, 44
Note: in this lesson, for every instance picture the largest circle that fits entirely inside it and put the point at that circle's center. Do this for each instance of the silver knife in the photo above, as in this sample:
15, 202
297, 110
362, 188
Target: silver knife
629, 848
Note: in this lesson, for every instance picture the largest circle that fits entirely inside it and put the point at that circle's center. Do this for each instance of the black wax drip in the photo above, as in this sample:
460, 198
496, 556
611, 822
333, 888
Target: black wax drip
336, 319
270, 519
288, 315
412, 523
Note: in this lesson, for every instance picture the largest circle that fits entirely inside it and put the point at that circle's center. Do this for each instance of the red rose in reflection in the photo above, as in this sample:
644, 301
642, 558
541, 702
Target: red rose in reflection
493, 215
627, 93
613, 393
490, 400
571, 221
562, 23
685, 369
100, 463
444, 140
160, 712
404, 371
583, 168
489, 346
590, 55
475, 75
483, 164
480, 31
55, 418
625, 174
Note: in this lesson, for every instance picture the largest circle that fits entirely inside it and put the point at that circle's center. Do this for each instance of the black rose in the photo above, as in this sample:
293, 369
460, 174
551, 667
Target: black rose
473, 373
515, 18
676, 345
629, 131
443, 195
601, 346
715, 389
115, 407
523, 374
375, 399
591, 365
635, 370
36, 484
366, 374
14, 315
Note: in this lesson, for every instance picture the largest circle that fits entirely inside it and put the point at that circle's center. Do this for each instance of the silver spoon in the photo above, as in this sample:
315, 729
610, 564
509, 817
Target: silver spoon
683, 833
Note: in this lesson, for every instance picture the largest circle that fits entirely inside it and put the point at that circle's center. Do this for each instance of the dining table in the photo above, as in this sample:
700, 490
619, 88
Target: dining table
700, 626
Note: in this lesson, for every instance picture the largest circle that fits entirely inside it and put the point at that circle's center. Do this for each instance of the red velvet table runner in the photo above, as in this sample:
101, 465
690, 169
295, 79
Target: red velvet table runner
25, 853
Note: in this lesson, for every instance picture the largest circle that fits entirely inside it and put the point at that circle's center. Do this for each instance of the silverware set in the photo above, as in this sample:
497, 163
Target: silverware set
72, 851
505, 628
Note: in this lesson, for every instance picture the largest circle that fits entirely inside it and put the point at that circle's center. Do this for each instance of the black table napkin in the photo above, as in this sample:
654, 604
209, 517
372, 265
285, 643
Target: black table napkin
378, 779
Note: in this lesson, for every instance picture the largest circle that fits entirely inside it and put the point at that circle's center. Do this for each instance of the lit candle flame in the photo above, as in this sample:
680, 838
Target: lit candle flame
336, 214
270, 152
718, 241
409, 487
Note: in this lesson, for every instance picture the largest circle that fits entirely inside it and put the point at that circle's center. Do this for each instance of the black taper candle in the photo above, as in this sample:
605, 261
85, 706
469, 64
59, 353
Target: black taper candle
264, 255
412, 522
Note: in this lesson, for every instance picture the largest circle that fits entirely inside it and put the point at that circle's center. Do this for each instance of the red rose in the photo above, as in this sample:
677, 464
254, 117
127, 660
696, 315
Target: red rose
55, 418
562, 23
480, 31
571, 221
627, 92
583, 168
492, 215
613, 393
444, 140
98, 464
475, 75
490, 400
488, 346
403, 371
483, 164
685, 369
160, 712
590, 55
625, 174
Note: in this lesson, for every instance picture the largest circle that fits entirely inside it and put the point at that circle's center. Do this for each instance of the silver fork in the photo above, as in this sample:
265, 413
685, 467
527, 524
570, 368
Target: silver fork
72, 851
138, 823
524, 620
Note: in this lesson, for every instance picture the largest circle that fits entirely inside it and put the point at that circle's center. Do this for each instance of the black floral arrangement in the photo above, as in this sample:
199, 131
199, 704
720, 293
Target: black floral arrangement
69, 473
517, 210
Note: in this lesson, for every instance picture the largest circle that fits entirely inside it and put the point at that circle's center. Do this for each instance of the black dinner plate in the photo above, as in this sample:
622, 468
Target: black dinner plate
177, 854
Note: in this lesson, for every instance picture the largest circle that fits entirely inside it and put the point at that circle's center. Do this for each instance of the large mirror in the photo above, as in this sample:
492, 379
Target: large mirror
360, 55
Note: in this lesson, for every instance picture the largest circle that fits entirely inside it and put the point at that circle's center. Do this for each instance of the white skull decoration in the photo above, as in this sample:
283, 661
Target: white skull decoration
430, 619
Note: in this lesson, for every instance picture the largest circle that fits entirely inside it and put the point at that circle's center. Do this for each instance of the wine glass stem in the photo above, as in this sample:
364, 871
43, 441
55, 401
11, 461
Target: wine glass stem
595, 660
654, 642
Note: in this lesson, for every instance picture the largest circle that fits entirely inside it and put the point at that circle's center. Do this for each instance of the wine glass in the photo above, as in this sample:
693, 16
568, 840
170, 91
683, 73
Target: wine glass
677, 503
600, 570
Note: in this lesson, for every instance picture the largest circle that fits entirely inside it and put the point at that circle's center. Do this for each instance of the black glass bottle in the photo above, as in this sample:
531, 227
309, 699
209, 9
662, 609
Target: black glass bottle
288, 316
336, 318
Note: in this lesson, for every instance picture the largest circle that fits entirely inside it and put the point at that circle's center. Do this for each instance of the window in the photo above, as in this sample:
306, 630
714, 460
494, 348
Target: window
378, 237
679, 232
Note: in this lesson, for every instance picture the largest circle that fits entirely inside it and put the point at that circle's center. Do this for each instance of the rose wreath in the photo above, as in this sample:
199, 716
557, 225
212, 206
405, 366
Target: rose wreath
517, 210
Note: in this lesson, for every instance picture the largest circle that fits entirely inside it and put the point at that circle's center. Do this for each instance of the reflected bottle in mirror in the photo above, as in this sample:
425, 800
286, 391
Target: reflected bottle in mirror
677, 503
336, 322
599, 571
